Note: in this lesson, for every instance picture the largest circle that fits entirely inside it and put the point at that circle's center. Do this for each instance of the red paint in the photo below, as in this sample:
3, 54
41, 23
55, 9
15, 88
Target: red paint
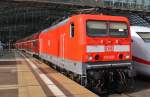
140, 60
51, 41
30, 43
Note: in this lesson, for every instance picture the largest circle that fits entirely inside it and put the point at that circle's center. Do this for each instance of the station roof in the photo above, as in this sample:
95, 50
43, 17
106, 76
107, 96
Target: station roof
20, 18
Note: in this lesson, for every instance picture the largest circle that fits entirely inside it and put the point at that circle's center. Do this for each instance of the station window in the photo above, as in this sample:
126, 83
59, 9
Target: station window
71, 30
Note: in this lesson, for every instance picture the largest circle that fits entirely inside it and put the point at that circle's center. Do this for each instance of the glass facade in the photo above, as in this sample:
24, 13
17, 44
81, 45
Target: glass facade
120, 4
128, 4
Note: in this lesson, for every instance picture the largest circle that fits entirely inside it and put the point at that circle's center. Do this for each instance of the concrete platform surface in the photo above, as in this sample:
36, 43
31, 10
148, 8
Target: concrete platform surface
27, 77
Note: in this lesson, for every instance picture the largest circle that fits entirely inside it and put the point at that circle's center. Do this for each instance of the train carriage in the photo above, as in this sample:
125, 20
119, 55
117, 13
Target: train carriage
141, 49
29, 44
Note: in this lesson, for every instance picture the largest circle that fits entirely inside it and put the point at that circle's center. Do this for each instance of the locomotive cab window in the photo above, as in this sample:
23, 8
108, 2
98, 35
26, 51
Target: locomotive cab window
145, 36
118, 29
96, 28
71, 30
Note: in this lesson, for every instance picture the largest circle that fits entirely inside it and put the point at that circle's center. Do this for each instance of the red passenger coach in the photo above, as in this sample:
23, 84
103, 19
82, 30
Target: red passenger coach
91, 48
29, 44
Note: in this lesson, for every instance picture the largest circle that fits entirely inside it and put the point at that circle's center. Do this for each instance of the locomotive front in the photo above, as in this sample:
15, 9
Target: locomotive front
108, 53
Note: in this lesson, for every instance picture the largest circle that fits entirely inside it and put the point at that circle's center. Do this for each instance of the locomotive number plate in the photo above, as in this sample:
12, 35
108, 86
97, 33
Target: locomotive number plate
109, 48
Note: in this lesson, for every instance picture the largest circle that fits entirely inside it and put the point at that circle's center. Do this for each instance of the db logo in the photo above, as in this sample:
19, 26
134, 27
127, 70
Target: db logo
109, 48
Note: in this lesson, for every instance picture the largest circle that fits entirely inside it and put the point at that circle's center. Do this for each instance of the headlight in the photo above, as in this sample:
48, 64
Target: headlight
127, 56
90, 58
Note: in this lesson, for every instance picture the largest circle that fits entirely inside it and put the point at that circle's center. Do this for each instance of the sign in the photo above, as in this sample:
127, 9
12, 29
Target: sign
109, 48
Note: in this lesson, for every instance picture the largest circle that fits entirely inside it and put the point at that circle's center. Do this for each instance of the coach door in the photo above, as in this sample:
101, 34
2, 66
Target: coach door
62, 46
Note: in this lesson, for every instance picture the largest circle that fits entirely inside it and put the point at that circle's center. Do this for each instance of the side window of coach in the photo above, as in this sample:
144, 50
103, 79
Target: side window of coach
72, 30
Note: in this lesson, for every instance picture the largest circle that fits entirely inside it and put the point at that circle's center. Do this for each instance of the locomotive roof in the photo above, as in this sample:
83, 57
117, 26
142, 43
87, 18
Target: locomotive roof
67, 19
56, 25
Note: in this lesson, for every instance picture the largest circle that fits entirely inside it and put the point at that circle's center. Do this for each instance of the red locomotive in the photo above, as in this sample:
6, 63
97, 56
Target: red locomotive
93, 49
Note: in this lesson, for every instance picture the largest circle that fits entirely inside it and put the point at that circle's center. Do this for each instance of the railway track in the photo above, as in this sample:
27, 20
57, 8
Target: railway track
141, 89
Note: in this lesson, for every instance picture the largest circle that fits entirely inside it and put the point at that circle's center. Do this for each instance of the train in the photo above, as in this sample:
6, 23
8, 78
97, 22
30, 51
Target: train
141, 49
94, 50
29, 44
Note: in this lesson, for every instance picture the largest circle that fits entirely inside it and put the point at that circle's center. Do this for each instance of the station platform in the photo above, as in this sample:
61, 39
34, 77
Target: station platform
22, 76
